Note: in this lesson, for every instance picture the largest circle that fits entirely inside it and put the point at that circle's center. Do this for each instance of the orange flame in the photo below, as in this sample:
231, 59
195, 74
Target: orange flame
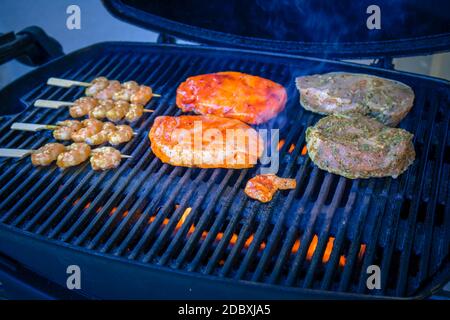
312, 248
280, 144
291, 148
304, 150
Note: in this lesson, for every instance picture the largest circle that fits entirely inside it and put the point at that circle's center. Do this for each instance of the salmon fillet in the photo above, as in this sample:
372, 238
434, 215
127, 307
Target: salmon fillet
205, 142
230, 94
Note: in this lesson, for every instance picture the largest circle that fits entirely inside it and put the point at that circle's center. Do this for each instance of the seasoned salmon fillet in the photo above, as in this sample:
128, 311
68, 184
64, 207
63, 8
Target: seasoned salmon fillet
230, 94
205, 142
386, 100
356, 146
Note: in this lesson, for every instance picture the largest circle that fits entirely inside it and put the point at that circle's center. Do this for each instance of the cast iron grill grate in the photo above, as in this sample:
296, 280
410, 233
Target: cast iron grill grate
321, 236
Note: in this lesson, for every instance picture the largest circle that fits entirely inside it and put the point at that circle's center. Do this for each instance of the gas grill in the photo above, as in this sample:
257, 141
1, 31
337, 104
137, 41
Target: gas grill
151, 230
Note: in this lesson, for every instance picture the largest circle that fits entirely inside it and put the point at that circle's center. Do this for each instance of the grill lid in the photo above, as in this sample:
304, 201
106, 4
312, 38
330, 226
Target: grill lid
334, 29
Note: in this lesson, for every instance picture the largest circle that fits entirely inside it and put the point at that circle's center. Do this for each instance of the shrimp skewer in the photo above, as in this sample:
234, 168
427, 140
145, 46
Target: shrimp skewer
98, 109
102, 88
68, 156
91, 131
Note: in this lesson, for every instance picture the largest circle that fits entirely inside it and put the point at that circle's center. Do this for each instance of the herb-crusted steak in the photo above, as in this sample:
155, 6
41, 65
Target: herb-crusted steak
337, 92
356, 146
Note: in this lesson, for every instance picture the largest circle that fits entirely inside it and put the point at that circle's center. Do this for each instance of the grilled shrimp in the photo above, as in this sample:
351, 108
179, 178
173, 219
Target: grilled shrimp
118, 112
123, 133
99, 112
98, 84
134, 112
105, 158
65, 129
90, 127
82, 106
102, 136
75, 154
142, 95
108, 92
46, 154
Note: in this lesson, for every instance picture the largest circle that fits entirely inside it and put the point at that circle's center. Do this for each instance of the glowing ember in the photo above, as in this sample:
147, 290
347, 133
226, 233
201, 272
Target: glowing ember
362, 250
312, 248
304, 150
280, 144
291, 148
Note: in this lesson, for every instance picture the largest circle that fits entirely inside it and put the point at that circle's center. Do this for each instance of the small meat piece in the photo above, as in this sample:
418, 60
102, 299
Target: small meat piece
356, 146
134, 112
102, 136
46, 154
75, 154
142, 95
205, 142
90, 127
386, 100
105, 158
100, 111
263, 186
98, 84
65, 129
118, 112
128, 88
236, 95
108, 92
121, 134
82, 106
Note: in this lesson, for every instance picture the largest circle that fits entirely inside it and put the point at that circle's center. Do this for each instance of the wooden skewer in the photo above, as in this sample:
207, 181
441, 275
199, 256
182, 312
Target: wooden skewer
53, 104
21, 153
32, 127
23, 126
15, 153
70, 83
67, 83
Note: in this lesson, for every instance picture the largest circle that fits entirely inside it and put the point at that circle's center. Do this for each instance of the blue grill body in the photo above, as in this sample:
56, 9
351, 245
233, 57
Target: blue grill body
122, 227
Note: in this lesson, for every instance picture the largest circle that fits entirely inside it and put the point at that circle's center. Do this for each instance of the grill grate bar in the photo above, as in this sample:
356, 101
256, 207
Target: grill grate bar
161, 214
355, 242
324, 236
275, 235
426, 250
330, 268
12, 181
203, 221
214, 230
294, 226
307, 235
100, 197
372, 245
182, 232
113, 198
409, 238
79, 171
395, 216
263, 225
83, 199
